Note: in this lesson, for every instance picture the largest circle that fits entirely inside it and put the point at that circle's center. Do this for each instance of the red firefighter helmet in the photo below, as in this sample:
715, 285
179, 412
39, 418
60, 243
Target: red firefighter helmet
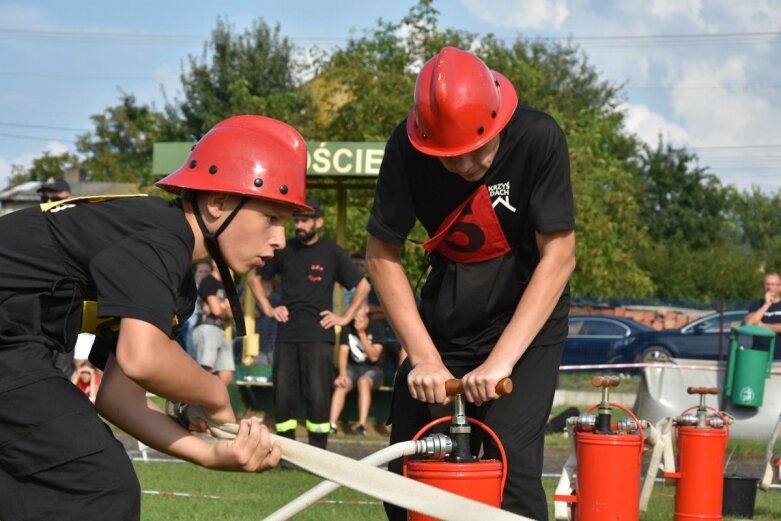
460, 104
249, 155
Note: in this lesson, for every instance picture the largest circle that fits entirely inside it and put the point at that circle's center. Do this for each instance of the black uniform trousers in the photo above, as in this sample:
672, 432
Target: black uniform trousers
518, 419
304, 368
58, 460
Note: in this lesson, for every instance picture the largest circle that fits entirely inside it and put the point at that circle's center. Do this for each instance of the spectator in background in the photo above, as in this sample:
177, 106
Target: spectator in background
309, 267
266, 327
360, 365
213, 350
87, 378
358, 258
185, 336
767, 312
54, 189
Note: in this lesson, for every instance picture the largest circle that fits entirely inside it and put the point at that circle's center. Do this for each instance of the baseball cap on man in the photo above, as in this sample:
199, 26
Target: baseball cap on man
55, 185
315, 206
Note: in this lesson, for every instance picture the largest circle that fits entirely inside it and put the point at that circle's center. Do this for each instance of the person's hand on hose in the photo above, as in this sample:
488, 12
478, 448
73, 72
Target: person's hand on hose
250, 451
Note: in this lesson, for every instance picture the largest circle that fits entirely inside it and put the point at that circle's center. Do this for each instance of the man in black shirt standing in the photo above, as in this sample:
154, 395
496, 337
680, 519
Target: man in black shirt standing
120, 267
767, 312
310, 265
489, 181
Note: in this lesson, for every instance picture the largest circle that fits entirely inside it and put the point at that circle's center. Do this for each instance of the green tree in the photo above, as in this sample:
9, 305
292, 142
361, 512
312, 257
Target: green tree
254, 72
120, 147
43, 167
679, 200
758, 216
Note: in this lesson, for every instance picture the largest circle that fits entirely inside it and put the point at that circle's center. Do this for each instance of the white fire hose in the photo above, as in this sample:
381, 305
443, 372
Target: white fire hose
360, 476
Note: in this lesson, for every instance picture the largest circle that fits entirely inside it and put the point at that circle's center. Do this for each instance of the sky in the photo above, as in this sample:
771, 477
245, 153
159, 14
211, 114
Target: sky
704, 74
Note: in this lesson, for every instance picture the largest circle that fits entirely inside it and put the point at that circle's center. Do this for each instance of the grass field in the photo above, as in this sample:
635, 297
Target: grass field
233, 497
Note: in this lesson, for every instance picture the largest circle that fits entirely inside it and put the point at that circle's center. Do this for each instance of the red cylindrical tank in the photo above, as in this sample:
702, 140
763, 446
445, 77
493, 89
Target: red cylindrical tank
479, 480
700, 483
608, 480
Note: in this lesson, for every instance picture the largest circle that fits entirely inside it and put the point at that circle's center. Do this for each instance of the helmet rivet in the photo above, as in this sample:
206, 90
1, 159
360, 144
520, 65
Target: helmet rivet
283, 189
213, 169
496, 82
193, 163
258, 182
493, 114
480, 130
425, 136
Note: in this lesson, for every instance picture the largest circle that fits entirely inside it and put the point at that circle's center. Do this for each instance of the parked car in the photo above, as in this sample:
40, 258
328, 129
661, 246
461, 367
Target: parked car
590, 337
698, 340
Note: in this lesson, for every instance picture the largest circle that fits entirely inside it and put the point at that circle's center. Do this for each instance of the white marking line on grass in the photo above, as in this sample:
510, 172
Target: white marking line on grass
177, 494
347, 502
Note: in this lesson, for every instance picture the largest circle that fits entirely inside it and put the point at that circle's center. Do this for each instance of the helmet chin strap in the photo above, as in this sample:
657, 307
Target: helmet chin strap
210, 239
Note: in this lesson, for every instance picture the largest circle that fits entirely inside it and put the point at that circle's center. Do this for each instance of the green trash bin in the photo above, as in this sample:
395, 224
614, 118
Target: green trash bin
749, 366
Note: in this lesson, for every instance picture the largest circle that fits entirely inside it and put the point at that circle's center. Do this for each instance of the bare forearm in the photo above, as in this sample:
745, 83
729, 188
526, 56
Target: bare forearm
395, 293
361, 292
756, 316
255, 284
161, 366
124, 403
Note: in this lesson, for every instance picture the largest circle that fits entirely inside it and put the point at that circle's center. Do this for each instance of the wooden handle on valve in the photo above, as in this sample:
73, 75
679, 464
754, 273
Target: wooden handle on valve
702, 390
455, 386
605, 381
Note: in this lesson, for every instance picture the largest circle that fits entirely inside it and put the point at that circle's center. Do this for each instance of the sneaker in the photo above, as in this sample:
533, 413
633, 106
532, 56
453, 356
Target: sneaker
360, 430
334, 428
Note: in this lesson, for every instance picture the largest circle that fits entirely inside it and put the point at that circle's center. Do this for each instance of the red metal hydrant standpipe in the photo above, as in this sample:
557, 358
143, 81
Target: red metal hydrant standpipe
609, 458
460, 471
702, 444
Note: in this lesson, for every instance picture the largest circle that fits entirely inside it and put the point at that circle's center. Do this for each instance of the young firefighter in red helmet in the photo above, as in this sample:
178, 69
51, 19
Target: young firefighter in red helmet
489, 181
121, 267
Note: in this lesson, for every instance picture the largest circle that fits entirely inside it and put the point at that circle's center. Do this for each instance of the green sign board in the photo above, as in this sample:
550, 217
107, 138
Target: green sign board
325, 158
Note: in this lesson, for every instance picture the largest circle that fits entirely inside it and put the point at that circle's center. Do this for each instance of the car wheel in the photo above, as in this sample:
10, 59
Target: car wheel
655, 354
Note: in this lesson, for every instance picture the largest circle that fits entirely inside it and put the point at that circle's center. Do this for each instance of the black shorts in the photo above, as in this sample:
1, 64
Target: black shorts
58, 460
373, 373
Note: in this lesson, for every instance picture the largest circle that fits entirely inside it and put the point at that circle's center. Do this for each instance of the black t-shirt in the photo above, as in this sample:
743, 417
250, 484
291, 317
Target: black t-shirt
210, 286
483, 233
771, 316
132, 256
357, 355
308, 277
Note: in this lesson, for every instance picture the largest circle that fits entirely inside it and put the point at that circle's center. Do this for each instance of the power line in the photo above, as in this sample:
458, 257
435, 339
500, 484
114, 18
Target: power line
46, 127
34, 138
136, 38
82, 77
722, 147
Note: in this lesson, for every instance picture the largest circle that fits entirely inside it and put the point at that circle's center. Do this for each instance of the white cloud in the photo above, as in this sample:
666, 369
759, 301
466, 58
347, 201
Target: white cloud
520, 14
648, 125
667, 9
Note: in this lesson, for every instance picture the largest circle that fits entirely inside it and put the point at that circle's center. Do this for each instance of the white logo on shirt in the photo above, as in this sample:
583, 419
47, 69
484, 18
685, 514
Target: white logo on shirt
356, 348
502, 193
62, 207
